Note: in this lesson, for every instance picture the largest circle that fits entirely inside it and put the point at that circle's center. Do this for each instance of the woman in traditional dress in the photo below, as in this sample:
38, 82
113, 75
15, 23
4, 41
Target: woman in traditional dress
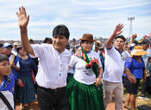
84, 90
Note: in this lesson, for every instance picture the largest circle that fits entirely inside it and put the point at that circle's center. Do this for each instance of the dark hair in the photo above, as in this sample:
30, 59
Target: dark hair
47, 39
82, 41
121, 37
61, 30
31, 41
3, 58
1, 45
68, 46
17, 49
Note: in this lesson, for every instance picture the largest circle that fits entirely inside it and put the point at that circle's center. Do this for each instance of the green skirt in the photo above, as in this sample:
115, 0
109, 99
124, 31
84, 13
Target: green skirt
84, 97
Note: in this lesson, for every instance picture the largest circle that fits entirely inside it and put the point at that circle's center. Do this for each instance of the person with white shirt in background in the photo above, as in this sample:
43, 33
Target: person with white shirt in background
114, 68
53, 65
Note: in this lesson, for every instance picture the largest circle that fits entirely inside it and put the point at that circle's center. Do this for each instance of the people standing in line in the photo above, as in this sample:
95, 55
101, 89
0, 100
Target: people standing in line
53, 65
136, 66
114, 68
84, 90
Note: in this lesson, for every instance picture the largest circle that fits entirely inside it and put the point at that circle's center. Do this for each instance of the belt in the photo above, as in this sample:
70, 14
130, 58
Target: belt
53, 90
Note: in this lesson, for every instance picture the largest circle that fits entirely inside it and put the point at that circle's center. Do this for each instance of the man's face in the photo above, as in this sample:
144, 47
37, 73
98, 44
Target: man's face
59, 42
7, 51
4, 68
119, 43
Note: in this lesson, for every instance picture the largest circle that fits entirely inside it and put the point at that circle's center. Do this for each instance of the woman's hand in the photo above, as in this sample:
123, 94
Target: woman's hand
98, 81
20, 83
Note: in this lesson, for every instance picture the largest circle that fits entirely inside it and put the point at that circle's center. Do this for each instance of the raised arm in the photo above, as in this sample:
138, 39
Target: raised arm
117, 31
23, 20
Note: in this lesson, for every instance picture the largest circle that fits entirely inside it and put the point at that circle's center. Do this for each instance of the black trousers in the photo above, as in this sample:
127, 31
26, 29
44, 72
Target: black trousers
52, 99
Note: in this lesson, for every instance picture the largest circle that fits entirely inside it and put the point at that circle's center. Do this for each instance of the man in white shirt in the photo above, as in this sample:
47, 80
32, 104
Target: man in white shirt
53, 65
114, 68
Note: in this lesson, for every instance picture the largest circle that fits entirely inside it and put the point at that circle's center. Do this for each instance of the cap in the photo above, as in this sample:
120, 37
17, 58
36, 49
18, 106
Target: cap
5, 45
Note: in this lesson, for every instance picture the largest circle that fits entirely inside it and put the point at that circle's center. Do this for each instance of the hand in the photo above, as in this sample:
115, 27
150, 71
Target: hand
23, 19
20, 83
118, 30
94, 61
131, 78
98, 81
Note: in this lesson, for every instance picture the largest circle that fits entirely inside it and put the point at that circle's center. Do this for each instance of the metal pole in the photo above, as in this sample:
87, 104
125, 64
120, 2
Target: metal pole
131, 25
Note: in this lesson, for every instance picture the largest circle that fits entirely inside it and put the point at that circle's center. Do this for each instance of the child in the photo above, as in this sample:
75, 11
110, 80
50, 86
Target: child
6, 84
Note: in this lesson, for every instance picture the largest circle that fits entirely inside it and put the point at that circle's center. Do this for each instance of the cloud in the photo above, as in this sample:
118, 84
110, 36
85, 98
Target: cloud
81, 16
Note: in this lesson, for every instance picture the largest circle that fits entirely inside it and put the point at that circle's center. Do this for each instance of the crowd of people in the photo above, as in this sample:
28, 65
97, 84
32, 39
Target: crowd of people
78, 78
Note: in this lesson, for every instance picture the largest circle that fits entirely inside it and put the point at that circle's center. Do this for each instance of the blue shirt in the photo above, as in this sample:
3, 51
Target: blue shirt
26, 67
8, 83
136, 68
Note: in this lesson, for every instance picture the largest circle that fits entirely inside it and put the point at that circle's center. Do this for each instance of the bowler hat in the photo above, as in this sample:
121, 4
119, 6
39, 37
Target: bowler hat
87, 37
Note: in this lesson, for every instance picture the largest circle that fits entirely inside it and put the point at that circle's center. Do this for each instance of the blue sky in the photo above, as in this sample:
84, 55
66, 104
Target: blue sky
98, 17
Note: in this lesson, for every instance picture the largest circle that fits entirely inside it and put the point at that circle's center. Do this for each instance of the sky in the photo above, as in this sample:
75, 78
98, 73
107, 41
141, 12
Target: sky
98, 17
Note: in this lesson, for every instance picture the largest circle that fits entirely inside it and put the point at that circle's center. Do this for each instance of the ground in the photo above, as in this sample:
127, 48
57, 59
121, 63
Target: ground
142, 104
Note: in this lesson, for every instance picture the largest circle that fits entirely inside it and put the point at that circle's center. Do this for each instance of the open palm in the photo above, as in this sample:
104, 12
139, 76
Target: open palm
23, 19
118, 29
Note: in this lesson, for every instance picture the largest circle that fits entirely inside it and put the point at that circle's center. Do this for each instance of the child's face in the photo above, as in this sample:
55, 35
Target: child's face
4, 68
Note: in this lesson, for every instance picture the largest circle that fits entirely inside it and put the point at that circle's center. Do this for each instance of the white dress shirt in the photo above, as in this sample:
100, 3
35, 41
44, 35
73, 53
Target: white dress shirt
53, 66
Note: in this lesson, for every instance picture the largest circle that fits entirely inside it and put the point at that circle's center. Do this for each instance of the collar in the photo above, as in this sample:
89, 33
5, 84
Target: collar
119, 51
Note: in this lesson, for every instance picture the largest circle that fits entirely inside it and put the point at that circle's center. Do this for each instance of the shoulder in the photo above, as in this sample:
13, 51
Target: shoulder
125, 53
67, 53
9, 97
42, 45
93, 54
110, 49
129, 59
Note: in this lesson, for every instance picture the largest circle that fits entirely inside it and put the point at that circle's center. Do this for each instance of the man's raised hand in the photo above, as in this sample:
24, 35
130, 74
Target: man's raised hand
23, 19
118, 29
